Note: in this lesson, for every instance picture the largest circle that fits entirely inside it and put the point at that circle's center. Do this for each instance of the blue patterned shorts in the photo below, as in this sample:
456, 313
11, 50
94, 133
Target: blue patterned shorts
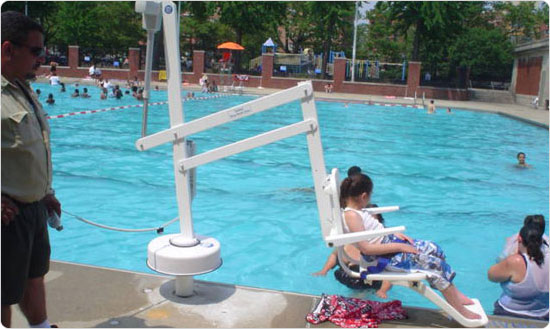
429, 260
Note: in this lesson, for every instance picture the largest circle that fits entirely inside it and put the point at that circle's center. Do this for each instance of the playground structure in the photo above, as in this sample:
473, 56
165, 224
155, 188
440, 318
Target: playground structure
368, 71
305, 64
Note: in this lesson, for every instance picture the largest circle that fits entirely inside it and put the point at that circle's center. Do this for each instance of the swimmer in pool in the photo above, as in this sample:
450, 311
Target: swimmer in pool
431, 107
521, 161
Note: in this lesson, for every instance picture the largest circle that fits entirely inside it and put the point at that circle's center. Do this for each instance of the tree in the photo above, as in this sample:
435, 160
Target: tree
378, 39
98, 27
297, 27
523, 19
249, 17
330, 20
41, 11
488, 53
432, 20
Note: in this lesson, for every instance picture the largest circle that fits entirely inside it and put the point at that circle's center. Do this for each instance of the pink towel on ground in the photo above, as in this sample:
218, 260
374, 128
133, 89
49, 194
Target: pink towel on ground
348, 312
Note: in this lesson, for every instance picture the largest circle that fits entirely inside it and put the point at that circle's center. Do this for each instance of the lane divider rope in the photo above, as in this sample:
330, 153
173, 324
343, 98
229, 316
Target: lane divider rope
159, 229
128, 106
392, 104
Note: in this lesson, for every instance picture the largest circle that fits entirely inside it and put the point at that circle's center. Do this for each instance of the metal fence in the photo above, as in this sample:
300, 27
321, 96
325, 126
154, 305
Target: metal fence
58, 55
306, 66
215, 63
493, 85
375, 71
101, 59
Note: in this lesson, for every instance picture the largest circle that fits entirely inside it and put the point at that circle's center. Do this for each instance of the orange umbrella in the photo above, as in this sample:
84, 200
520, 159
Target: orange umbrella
230, 46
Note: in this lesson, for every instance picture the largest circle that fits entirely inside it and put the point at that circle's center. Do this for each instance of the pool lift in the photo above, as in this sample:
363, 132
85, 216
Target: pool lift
187, 254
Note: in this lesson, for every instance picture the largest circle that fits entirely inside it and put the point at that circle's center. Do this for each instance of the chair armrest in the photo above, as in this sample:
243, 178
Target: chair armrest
336, 240
380, 210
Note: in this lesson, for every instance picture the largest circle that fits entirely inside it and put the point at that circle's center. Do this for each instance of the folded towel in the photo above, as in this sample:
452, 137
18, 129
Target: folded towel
348, 312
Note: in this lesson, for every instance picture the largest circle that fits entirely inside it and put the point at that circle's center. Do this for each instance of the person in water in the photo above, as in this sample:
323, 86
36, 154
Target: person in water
431, 107
398, 252
85, 93
511, 245
521, 160
524, 277
354, 253
50, 99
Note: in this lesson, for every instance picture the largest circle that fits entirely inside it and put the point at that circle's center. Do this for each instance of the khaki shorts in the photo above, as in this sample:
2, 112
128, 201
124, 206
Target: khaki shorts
25, 250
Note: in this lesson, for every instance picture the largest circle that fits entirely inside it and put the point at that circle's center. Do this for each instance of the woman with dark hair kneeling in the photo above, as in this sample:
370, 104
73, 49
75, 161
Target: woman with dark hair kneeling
523, 277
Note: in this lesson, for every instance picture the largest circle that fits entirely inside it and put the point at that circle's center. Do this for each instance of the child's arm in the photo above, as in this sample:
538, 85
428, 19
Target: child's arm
329, 264
355, 224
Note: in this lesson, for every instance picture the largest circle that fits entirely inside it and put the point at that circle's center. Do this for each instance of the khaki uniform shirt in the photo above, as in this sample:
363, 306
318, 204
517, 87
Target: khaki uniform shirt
26, 153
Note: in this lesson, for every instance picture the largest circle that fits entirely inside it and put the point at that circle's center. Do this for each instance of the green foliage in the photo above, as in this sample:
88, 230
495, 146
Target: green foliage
98, 27
378, 39
250, 18
522, 20
199, 32
441, 34
41, 11
297, 26
331, 21
488, 53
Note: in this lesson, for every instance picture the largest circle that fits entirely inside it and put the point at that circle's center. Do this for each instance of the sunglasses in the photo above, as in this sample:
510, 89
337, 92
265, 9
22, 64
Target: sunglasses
35, 51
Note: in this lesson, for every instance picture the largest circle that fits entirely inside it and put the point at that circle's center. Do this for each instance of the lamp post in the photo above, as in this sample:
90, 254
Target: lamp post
354, 43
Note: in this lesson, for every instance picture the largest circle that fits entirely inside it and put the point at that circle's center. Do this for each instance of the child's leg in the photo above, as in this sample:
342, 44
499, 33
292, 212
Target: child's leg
464, 299
384, 288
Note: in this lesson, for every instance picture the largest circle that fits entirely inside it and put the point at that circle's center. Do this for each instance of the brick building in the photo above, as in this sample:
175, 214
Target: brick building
530, 73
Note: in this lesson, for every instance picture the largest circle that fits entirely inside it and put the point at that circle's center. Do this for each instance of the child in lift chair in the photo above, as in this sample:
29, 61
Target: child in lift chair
398, 252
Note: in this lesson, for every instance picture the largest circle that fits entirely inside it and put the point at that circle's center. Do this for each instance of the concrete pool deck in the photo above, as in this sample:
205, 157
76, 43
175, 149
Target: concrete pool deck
538, 117
82, 296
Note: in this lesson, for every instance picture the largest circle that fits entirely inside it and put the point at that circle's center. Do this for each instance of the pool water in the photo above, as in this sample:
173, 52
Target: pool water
452, 175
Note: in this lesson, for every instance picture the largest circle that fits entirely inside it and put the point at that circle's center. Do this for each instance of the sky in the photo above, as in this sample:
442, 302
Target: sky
366, 5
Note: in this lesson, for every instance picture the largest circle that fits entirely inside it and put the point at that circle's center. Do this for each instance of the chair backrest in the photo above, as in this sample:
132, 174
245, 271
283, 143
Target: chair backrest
331, 187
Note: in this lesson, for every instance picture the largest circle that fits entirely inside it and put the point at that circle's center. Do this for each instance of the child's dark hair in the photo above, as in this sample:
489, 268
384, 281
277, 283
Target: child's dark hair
354, 170
355, 186
520, 153
377, 216
532, 240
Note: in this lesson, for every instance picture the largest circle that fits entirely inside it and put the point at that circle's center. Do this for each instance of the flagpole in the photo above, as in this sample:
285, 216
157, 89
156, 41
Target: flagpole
354, 43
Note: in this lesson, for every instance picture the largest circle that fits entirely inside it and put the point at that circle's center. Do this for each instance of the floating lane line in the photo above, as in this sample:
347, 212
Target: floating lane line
393, 104
59, 116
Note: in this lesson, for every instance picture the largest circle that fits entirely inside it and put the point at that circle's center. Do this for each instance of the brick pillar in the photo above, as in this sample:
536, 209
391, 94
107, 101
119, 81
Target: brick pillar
73, 57
267, 69
198, 64
413, 77
339, 74
133, 62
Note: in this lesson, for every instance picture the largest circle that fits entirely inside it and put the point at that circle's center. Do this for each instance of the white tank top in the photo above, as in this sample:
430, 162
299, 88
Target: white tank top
530, 296
369, 223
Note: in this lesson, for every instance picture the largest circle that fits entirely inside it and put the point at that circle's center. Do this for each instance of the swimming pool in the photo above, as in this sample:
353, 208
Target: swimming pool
452, 175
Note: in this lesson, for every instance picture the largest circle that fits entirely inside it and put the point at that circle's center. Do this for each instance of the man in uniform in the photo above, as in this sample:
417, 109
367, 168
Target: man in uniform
27, 197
